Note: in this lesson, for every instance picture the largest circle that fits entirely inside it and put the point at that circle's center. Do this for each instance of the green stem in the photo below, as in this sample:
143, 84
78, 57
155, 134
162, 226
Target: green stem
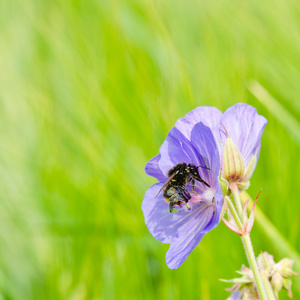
236, 196
238, 217
234, 213
275, 237
268, 287
252, 261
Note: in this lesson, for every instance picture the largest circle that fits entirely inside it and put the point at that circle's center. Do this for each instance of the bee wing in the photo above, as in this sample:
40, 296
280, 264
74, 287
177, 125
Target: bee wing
167, 182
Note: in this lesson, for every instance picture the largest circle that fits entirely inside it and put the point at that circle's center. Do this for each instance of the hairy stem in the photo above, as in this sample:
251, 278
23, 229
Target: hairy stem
268, 287
237, 200
253, 265
234, 213
240, 222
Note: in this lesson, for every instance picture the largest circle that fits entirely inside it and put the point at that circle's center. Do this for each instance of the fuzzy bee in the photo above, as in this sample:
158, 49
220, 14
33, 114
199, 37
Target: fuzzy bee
174, 188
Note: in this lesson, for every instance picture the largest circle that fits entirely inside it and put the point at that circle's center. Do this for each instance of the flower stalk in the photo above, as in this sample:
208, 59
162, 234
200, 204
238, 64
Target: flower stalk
253, 265
232, 214
237, 200
245, 237
275, 277
267, 286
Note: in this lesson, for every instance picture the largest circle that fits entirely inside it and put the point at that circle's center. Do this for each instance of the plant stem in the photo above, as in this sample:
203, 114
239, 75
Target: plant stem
237, 200
272, 233
252, 262
268, 287
238, 216
234, 213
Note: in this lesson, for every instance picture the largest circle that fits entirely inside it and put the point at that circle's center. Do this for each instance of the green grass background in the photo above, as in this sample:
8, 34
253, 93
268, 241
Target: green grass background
88, 92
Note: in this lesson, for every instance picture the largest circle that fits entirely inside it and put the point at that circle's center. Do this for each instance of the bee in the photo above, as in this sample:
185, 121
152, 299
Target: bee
174, 188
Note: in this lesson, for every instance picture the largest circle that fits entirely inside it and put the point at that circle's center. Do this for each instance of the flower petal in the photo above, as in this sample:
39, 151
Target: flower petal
235, 296
204, 142
152, 169
189, 235
162, 224
176, 149
218, 205
157, 215
209, 116
245, 127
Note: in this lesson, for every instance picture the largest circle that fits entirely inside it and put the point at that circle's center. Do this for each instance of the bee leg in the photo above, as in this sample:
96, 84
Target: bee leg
185, 196
193, 185
171, 207
205, 183
187, 206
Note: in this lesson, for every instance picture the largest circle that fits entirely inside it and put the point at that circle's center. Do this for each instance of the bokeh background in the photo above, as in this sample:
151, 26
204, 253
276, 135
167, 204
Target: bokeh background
88, 92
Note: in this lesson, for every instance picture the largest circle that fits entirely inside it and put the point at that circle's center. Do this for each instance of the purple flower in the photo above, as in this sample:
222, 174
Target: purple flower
197, 139
236, 295
243, 125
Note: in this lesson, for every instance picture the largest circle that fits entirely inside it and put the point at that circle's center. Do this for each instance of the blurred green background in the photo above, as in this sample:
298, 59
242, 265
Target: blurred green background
88, 92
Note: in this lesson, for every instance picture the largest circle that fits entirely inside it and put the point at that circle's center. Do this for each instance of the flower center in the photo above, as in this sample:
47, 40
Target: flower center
208, 197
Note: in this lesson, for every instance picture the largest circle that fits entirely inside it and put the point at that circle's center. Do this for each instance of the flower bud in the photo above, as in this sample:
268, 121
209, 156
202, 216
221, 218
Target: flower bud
249, 168
287, 285
243, 185
245, 272
234, 168
223, 183
284, 269
277, 282
249, 293
272, 271
286, 262
284, 266
265, 262
233, 163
